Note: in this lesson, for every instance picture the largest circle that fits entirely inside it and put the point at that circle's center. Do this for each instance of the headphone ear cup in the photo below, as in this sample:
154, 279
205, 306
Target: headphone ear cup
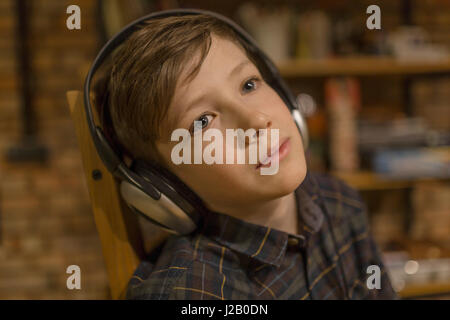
302, 127
178, 208
162, 212
161, 177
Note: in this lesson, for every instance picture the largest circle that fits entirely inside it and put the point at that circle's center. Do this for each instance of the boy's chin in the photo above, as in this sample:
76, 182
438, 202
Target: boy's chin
286, 184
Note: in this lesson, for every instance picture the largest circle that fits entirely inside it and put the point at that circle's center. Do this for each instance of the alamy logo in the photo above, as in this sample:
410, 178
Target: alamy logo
74, 20
374, 20
374, 280
74, 280
213, 152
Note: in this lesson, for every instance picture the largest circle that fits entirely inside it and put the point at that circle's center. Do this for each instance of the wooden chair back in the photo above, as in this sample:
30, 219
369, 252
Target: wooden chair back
121, 233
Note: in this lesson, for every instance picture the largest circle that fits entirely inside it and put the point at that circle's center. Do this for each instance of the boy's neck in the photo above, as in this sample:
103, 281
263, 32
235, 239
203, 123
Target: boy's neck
280, 214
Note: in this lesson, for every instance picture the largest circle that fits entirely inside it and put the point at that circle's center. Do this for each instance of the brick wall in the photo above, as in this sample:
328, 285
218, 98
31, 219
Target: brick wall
46, 222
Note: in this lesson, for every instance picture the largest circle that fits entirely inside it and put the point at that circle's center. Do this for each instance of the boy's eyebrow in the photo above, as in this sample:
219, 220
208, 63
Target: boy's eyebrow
233, 72
238, 68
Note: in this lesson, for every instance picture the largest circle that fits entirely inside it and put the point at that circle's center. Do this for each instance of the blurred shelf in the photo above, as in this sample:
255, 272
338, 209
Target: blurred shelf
426, 289
368, 180
432, 277
360, 66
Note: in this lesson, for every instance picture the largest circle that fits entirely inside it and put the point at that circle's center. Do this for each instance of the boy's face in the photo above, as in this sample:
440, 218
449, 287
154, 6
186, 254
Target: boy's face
228, 93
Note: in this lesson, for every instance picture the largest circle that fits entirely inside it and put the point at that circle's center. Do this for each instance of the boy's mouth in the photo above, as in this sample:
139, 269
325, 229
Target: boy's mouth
282, 150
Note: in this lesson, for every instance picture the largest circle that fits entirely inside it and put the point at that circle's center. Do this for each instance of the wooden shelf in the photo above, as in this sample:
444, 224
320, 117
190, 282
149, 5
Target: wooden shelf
425, 289
367, 180
360, 66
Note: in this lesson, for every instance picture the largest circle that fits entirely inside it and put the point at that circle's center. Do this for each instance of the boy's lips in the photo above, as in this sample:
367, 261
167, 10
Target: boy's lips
282, 150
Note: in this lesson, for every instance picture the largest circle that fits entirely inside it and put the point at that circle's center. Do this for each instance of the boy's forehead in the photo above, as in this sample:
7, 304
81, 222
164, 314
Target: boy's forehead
223, 56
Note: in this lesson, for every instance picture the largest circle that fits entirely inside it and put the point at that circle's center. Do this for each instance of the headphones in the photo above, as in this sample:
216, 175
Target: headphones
151, 190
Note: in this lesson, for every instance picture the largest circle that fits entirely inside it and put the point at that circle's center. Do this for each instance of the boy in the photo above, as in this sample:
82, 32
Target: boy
289, 235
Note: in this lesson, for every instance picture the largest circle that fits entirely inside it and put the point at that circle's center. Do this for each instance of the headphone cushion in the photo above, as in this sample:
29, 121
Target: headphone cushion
153, 171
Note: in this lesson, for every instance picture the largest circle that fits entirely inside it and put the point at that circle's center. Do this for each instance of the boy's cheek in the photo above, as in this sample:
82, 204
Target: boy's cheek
212, 181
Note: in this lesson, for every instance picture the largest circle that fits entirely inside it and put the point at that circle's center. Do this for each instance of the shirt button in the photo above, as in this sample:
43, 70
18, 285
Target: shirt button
293, 242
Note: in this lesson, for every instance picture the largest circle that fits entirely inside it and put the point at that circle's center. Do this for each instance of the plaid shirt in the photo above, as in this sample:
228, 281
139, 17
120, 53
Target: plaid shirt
228, 258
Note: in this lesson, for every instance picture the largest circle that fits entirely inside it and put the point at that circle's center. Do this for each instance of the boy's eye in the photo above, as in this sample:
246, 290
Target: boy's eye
202, 122
249, 85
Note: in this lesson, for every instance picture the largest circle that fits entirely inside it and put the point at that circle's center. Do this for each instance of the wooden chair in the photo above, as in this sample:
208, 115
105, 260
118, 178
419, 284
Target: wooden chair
125, 238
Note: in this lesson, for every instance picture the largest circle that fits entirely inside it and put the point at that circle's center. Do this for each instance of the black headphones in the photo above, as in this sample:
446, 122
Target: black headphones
150, 190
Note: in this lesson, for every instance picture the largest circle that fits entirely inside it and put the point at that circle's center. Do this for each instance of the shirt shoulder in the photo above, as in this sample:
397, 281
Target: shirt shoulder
342, 202
154, 280
335, 190
189, 267
350, 222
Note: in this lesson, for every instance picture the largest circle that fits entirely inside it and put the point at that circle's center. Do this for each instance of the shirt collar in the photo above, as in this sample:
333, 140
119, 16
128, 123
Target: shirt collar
265, 244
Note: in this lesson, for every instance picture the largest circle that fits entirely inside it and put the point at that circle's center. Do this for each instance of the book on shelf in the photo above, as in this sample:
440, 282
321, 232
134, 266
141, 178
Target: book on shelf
413, 163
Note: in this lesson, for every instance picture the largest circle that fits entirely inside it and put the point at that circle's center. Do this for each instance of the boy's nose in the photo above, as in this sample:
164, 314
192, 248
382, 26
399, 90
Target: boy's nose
259, 120
252, 119
249, 118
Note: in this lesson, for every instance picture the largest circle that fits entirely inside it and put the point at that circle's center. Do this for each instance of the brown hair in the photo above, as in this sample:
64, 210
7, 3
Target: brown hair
145, 72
